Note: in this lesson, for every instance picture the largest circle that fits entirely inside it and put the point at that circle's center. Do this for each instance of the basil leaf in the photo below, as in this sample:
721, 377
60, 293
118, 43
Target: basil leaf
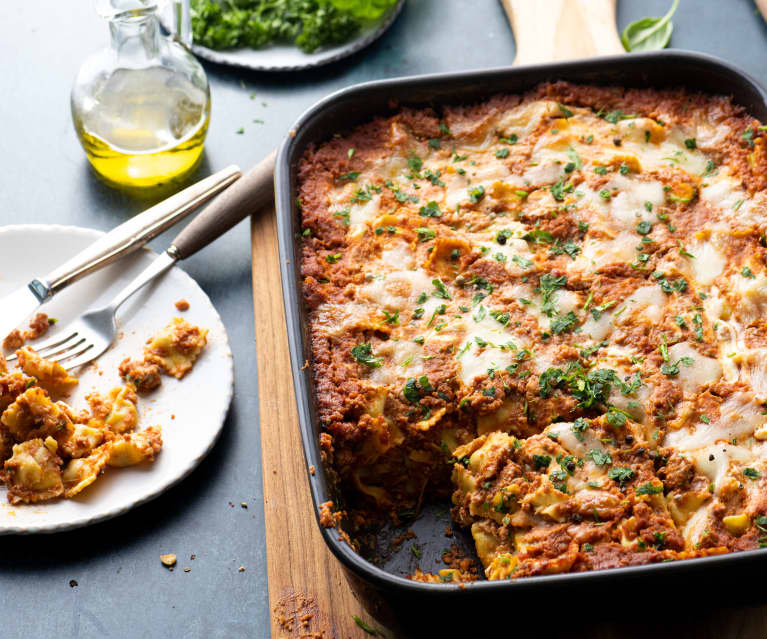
649, 34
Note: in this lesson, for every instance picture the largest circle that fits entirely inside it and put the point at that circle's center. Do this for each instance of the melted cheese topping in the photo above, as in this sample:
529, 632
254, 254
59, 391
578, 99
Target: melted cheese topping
546, 240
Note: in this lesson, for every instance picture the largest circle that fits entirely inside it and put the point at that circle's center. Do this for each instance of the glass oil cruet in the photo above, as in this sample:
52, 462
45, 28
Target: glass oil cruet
141, 106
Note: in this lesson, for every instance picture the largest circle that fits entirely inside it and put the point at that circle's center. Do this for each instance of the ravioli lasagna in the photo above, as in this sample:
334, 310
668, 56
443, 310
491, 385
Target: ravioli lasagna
552, 307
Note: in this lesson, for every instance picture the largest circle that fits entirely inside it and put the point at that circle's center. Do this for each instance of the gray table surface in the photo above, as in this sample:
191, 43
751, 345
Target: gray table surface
122, 588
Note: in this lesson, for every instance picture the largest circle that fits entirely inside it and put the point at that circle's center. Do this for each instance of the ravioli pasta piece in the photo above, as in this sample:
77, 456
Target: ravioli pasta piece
11, 386
176, 347
145, 376
134, 448
33, 415
33, 472
80, 473
82, 441
50, 375
117, 411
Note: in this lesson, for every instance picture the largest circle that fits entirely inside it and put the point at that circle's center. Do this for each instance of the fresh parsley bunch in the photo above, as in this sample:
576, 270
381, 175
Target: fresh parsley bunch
310, 24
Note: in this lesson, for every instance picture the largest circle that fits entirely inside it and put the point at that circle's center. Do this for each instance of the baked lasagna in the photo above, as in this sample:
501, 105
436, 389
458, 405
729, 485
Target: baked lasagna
553, 308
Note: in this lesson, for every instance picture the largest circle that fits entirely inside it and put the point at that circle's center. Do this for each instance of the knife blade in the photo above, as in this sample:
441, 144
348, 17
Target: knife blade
15, 308
119, 242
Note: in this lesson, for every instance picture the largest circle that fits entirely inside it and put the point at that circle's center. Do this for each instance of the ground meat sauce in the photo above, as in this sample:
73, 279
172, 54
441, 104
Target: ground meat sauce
551, 306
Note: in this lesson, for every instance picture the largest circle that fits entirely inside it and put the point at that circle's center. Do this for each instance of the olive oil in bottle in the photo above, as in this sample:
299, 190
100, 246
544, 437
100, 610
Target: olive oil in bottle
142, 107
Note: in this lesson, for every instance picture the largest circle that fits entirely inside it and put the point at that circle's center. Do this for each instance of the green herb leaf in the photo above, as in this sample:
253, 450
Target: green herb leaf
363, 353
621, 474
441, 289
599, 457
430, 210
364, 626
648, 488
649, 34
425, 234
344, 215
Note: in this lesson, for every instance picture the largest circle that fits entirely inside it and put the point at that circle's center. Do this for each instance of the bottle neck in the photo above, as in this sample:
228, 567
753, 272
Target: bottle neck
135, 40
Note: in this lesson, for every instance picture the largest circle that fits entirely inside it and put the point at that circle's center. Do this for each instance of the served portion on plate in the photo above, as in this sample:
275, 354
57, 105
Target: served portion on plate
552, 307
130, 408
48, 450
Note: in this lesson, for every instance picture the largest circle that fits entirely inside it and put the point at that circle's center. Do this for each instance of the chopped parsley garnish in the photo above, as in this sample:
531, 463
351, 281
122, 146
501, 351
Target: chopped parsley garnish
391, 318
425, 234
599, 457
476, 194
579, 427
430, 210
671, 370
364, 626
752, 473
575, 160
748, 136
363, 353
698, 321
415, 164
597, 311
547, 286
433, 177
538, 236
559, 189
332, 259
541, 461
649, 488
500, 317
570, 248
502, 153
343, 215
621, 474
521, 262
349, 177
747, 272
710, 168
614, 116
563, 323
691, 143
441, 290
644, 227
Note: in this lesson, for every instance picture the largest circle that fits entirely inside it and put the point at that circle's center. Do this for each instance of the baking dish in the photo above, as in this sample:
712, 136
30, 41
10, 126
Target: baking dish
384, 581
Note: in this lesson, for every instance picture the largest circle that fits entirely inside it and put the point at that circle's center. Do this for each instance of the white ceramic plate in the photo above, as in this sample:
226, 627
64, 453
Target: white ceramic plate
191, 411
287, 57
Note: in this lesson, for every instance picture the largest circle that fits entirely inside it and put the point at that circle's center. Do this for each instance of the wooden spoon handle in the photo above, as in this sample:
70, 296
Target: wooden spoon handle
552, 30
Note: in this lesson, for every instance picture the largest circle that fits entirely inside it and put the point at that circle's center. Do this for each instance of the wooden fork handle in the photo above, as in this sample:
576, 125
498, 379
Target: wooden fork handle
252, 192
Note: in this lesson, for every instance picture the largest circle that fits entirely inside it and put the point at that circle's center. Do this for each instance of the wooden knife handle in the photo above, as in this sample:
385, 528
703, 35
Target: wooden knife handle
252, 192
553, 30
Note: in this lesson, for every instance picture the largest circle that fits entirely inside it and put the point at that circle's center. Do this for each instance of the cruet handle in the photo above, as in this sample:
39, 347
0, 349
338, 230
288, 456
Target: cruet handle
182, 22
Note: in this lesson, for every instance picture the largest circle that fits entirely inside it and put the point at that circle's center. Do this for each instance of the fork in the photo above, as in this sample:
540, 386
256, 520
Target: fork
92, 333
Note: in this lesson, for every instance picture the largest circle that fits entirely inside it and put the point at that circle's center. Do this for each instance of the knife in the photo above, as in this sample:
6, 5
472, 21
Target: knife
118, 243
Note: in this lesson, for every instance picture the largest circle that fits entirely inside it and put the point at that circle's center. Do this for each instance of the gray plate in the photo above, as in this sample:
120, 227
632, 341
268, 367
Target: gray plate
286, 57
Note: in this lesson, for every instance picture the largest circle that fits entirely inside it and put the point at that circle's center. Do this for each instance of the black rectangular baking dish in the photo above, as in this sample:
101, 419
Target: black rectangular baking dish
383, 586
